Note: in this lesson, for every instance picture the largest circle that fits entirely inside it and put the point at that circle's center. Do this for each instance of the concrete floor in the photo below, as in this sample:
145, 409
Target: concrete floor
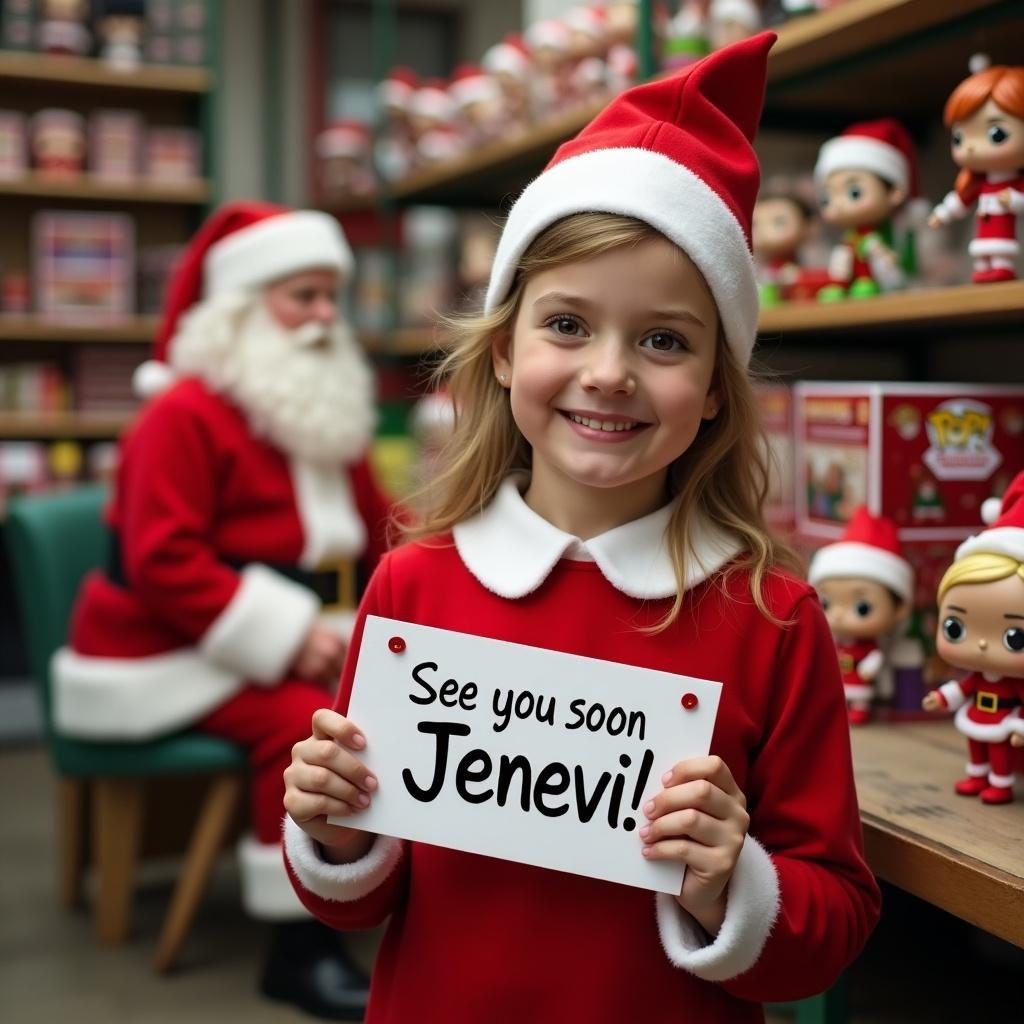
921, 964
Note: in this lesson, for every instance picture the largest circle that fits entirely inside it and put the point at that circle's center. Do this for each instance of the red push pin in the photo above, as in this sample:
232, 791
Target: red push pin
396, 644
689, 701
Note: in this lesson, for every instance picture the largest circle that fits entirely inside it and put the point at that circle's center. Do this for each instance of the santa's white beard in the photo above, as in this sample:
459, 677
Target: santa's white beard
315, 401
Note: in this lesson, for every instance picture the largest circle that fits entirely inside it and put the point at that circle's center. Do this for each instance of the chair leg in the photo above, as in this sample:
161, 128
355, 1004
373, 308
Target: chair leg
215, 819
72, 801
117, 827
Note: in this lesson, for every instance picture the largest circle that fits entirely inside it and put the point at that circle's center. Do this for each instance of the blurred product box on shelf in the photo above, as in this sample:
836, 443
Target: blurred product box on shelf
173, 154
35, 387
83, 266
115, 144
31, 467
776, 406
101, 378
156, 262
13, 145
17, 24
176, 31
924, 455
15, 293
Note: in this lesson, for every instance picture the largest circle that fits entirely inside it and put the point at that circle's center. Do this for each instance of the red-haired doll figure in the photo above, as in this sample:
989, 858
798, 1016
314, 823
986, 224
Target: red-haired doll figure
985, 114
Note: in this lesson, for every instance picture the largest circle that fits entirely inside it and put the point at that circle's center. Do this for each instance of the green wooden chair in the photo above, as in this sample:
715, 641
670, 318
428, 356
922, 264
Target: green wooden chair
54, 540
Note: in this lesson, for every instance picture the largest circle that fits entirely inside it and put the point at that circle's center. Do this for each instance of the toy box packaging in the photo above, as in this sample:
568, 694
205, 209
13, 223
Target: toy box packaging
776, 407
924, 455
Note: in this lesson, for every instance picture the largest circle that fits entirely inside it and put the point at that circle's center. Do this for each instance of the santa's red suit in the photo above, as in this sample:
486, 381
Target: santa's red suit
987, 713
801, 902
226, 550
859, 663
995, 232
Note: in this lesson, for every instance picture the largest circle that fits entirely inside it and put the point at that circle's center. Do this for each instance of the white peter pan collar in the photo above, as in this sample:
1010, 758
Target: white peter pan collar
511, 549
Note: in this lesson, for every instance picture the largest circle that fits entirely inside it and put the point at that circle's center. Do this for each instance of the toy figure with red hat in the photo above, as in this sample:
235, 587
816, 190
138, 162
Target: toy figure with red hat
345, 149
478, 102
981, 630
864, 176
602, 495
511, 64
396, 148
866, 587
242, 508
985, 114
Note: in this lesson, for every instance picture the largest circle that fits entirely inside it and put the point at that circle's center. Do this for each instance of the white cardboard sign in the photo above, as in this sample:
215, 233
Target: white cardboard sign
519, 752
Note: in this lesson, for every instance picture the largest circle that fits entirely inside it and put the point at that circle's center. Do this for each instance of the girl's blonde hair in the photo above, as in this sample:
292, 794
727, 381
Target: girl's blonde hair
723, 474
982, 567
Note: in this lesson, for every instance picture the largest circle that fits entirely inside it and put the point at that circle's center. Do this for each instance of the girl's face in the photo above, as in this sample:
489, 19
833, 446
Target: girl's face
990, 140
981, 627
610, 366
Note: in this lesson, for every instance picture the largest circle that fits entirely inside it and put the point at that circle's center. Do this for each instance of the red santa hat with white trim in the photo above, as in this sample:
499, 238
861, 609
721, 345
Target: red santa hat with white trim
677, 154
397, 89
1005, 519
344, 138
471, 84
868, 550
510, 57
882, 147
241, 247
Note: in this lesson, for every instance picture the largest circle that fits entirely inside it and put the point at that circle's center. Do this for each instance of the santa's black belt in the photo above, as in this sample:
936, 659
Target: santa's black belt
326, 584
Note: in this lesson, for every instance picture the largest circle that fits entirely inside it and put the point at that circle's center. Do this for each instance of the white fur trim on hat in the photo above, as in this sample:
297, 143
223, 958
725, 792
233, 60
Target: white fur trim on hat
152, 378
651, 187
476, 89
849, 152
852, 560
1003, 540
276, 247
503, 58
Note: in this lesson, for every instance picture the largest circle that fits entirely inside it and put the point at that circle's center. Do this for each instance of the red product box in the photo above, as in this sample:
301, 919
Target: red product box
925, 455
776, 406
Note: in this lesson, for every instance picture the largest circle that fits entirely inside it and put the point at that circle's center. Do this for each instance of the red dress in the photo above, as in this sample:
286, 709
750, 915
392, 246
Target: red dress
473, 938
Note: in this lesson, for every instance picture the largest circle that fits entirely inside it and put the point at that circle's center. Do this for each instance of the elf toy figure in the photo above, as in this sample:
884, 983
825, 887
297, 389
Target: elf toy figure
981, 630
864, 176
866, 587
242, 507
782, 224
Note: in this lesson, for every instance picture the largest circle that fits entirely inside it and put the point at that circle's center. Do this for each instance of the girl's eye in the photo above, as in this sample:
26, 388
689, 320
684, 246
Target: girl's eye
997, 136
863, 609
1013, 639
855, 192
958, 138
565, 325
953, 629
662, 342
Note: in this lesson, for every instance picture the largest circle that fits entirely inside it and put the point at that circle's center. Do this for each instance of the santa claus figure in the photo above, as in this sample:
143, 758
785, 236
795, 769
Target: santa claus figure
242, 509
866, 588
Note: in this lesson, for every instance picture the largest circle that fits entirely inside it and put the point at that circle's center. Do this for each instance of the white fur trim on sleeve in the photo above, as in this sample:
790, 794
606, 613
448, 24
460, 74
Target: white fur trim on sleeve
868, 666
951, 208
953, 694
753, 905
262, 627
340, 883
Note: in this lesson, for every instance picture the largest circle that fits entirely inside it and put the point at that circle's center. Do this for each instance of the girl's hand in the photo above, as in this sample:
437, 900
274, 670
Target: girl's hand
700, 819
325, 779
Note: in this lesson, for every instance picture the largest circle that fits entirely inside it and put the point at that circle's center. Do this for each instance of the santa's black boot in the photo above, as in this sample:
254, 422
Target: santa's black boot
307, 966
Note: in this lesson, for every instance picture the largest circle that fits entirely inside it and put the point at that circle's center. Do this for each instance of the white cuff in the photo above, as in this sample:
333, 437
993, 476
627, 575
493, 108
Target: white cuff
753, 905
953, 694
1016, 201
340, 883
868, 666
267, 892
260, 630
951, 208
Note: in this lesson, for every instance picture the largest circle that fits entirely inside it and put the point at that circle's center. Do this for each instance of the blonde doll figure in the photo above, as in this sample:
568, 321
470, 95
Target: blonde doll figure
981, 630
602, 496
985, 115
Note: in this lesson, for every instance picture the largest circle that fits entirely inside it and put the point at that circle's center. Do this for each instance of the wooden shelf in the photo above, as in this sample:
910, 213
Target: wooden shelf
77, 426
136, 329
37, 68
93, 190
952, 851
929, 309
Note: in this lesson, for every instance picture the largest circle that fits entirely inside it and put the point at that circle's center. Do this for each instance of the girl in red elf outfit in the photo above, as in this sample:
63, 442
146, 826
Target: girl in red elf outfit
986, 116
981, 628
602, 496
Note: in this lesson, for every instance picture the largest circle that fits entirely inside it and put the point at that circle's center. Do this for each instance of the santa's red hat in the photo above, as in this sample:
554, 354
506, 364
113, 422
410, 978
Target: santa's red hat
882, 147
868, 550
240, 248
470, 84
396, 90
677, 154
344, 138
510, 57
1005, 535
